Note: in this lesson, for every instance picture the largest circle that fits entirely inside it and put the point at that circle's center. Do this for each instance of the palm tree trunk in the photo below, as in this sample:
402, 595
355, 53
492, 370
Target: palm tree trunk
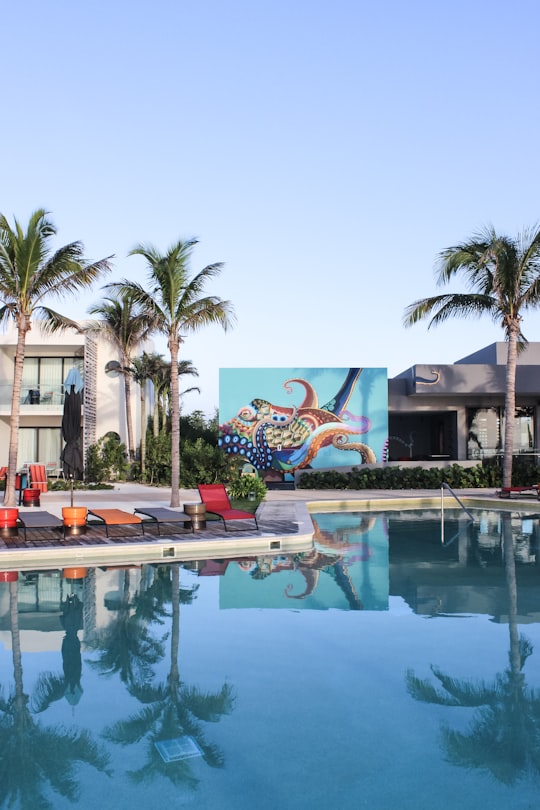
510, 405
143, 429
174, 347
155, 414
129, 420
23, 326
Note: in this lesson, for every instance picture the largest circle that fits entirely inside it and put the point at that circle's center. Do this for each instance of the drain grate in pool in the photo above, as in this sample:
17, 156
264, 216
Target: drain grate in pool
179, 748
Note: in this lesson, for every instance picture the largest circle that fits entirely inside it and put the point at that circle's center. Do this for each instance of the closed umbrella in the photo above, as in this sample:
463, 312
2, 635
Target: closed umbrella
71, 426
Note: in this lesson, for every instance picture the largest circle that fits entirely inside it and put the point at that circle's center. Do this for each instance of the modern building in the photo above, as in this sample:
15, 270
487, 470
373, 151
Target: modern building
456, 412
47, 362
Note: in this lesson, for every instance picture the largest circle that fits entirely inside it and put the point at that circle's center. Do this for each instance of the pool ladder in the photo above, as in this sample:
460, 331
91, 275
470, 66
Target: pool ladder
444, 486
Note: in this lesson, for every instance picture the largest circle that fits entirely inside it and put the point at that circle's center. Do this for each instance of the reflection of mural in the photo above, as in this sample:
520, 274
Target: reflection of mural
289, 437
347, 569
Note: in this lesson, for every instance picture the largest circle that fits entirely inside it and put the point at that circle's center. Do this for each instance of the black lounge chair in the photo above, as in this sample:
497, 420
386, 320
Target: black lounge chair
161, 515
39, 520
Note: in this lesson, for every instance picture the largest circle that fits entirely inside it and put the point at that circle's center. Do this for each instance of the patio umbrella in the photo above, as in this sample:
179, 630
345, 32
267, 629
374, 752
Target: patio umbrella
71, 426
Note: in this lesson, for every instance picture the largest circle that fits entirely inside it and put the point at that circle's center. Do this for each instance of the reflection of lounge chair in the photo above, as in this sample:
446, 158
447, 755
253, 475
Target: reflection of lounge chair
38, 477
162, 516
39, 520
116, 517
216, 500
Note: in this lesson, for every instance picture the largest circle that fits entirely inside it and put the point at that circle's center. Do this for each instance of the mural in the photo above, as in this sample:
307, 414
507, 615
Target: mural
274, 420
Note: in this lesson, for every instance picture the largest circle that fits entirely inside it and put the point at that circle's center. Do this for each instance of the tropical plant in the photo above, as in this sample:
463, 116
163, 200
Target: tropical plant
503, 277
31, 272
106, 459
163, 388
175, 305
123, 324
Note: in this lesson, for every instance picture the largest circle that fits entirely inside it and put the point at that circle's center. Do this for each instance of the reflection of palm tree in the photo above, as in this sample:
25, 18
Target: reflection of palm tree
504, 736
172, 710
126, 646
33, 755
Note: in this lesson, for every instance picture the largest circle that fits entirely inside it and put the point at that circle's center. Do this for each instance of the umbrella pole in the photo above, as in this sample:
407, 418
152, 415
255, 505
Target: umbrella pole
71, 487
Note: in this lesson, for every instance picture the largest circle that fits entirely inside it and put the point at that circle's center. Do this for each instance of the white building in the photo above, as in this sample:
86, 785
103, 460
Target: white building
46, 364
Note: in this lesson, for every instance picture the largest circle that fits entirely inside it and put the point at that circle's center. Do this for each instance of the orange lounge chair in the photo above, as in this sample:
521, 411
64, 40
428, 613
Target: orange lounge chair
116, 517
216, 500
38, 477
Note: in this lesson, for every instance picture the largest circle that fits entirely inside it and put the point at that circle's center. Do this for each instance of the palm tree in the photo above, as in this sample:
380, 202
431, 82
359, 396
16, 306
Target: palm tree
164, 386
125, 326
30, 272
141, 371
503, 277
175, 305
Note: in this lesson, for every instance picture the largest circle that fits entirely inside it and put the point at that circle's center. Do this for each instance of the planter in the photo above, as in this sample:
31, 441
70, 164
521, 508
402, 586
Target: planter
74, 573
74, 519
8, 522
31, 496
197, 513
9, 576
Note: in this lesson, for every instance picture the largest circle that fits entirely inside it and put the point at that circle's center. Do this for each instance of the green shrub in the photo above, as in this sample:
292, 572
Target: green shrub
106, 460
457, 477
245, 485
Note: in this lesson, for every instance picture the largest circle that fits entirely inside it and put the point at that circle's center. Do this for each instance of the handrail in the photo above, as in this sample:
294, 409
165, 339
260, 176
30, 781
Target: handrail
444, 486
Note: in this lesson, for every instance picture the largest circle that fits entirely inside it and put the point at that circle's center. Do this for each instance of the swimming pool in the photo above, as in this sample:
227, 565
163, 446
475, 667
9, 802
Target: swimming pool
312, 680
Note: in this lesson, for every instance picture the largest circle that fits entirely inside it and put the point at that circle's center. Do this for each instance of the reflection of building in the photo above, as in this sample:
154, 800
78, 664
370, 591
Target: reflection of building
465, 574
47, 362
457, 411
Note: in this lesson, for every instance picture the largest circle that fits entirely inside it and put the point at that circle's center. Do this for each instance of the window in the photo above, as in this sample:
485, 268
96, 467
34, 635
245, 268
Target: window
486, 431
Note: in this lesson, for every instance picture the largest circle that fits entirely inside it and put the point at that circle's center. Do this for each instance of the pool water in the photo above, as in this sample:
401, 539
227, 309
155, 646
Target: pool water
394, 666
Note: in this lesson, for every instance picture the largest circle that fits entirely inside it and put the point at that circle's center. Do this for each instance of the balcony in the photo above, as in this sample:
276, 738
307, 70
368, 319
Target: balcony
36, 400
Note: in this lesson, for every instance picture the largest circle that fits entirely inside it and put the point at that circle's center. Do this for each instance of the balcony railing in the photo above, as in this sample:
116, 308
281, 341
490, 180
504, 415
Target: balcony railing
43, 396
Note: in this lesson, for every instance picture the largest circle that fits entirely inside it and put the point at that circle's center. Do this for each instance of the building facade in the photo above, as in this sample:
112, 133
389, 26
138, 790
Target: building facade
456, 412
47, 362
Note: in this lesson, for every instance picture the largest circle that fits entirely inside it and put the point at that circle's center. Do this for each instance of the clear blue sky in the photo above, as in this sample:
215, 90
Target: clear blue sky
325, 152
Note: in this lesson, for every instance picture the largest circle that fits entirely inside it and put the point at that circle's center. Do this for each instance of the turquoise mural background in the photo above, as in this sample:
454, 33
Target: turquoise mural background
294, 418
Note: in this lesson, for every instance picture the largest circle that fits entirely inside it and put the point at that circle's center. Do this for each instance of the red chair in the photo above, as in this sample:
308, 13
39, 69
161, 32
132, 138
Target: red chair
38, 477
216, 500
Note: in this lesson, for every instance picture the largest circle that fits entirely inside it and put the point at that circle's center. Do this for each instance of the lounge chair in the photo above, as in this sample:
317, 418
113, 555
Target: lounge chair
38, 477
507, 492
216, 500
116, 517
39, 520
161, 515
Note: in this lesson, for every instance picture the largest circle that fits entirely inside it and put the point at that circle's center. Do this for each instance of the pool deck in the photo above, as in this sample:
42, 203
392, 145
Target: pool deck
284, 525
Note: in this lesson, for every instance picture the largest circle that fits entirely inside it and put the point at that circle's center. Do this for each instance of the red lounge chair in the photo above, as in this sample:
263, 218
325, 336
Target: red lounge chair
507, 492
216, 500
38, 477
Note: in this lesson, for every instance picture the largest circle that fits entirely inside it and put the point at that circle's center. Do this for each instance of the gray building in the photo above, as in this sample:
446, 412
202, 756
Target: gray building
456, 412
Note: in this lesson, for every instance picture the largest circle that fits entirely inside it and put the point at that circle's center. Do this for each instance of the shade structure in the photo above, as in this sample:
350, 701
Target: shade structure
72, 458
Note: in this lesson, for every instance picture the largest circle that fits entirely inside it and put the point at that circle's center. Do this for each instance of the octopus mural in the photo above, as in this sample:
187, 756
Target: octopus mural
286, 439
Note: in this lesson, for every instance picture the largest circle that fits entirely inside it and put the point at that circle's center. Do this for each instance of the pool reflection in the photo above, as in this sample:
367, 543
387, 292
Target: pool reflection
197, 675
